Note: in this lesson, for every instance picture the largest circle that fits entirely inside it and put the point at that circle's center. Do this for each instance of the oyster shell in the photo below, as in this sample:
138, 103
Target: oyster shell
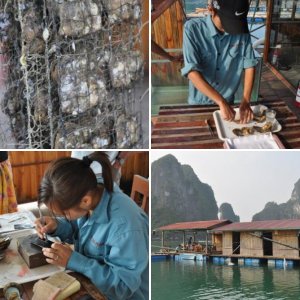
33, 30
244, 131
81, 85
123, 10
127, 131
265, 128
260, 117
4, 242
78, 18
93, 134
125, 67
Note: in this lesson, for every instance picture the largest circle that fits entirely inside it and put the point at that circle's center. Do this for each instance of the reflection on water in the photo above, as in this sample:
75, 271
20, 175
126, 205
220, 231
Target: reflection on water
195, 280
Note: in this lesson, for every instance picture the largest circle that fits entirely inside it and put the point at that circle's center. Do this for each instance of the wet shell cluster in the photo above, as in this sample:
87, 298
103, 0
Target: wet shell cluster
70, 60
125, 68
123, 132
79, 92
123, 10
4, 243
245, 131
79, 18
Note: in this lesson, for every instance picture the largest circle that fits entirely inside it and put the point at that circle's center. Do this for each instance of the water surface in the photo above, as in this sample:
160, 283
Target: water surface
172, 280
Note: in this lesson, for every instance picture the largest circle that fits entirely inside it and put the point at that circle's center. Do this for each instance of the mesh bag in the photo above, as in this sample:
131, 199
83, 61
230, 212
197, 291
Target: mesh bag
70, 71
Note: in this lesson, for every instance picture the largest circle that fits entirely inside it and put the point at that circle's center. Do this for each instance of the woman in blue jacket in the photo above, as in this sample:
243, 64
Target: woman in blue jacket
108, 230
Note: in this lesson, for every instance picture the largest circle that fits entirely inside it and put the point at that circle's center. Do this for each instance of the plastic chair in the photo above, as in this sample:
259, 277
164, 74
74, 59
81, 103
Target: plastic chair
140, 192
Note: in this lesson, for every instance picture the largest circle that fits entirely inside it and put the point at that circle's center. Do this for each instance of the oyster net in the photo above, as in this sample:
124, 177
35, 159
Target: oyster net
70, 70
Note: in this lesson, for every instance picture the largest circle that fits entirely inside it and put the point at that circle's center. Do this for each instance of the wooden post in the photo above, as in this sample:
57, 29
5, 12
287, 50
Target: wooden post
183, 240
206, 242
270, 5
162, 239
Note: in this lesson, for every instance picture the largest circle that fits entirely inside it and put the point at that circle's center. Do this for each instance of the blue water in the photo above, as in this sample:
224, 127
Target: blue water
191, 5
189, 280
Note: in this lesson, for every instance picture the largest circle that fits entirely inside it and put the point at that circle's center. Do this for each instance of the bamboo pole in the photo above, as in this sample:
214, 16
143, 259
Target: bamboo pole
275, 242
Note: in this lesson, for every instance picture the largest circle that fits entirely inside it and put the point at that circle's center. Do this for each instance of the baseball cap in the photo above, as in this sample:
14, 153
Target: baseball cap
233, 15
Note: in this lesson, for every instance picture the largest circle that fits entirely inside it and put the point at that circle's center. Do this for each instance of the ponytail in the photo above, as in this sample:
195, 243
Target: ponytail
102, 158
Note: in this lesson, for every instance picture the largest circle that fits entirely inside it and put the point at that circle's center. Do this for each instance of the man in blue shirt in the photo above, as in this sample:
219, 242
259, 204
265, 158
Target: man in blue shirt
217, 49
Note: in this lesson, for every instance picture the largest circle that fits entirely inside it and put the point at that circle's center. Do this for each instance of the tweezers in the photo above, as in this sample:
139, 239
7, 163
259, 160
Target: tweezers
42, 221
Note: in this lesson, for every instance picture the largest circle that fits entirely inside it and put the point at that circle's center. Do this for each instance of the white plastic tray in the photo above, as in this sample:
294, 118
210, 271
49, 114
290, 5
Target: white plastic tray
224, 128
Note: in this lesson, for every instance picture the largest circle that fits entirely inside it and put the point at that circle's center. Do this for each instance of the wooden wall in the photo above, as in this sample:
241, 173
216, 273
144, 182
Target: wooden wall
286, 237
29, 166
28, 169
167, 32
250, 245
217, 241
227, 243
136, 163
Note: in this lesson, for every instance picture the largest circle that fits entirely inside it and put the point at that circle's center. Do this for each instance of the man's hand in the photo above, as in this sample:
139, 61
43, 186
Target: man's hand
246, 113
227, 112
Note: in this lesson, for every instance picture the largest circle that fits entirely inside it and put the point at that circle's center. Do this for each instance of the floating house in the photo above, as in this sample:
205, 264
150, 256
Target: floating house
260, 239
192, 228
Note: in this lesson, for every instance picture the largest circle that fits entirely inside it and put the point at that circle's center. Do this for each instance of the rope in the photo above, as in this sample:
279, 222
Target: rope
25, 71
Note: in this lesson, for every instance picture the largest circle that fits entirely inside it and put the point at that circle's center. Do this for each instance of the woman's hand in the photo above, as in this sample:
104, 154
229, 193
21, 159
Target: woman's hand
45, 225
58, 254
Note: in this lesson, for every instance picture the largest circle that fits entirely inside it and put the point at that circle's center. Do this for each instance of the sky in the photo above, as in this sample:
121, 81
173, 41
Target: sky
245, 179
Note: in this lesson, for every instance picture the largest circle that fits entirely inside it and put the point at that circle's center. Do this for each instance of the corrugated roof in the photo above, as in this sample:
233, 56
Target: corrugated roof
262, 225
196, 225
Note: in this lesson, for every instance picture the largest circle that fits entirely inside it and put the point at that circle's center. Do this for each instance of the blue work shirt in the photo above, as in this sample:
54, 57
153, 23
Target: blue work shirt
111, 247
220, 58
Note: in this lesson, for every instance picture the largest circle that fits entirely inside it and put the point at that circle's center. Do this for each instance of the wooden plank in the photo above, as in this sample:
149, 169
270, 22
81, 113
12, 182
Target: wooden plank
163, 112
175, 32
169, 29
211, 144
145, 34
184, 130
160, 7
170, 107
179, 124
182, 138
184, 118
179, 20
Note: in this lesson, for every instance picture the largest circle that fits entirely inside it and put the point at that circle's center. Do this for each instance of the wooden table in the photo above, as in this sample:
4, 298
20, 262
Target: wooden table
184, 127
86, 288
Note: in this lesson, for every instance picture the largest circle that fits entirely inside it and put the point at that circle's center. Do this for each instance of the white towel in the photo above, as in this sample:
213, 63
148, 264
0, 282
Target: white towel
257, 141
